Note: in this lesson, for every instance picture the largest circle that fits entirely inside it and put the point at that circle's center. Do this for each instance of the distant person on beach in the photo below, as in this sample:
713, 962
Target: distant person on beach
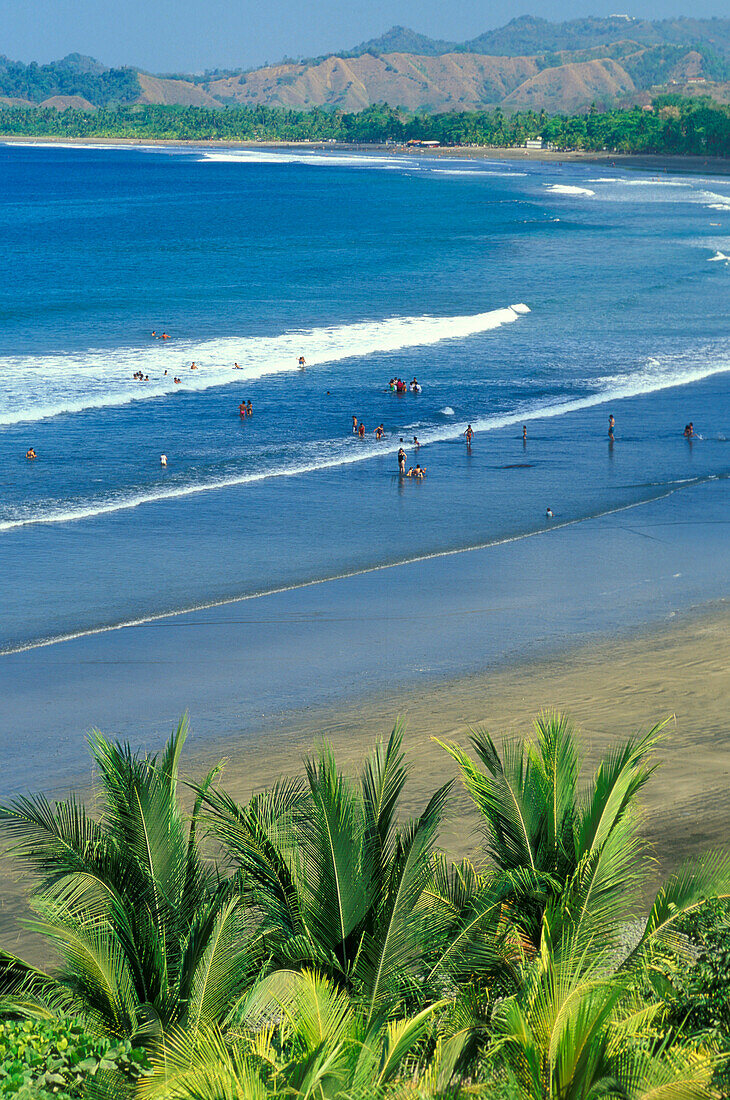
302, 361
163, 460
611, 426
354, 424
402, 456
361, 430
469, 434
30, 453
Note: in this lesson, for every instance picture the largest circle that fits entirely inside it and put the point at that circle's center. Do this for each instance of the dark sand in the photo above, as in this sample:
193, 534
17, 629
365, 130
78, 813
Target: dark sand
646, 162
611, 690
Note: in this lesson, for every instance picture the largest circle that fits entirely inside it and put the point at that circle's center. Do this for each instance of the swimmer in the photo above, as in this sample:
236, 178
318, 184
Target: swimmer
379, 431
391, 384
302, 361
147, 378
410, 472
193, 367
165, 372
469, 434
176, 381
549, 513
154, 333
524, 433
689, 431
242, 409
249, 409
402, 456
611, 426
30, 453
361, 430
354, 424
163, 460
419, 472
164, 336
416, 444
236, 367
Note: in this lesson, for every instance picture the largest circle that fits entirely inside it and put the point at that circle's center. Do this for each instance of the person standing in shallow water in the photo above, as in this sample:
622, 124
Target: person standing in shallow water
402, 456
611, 426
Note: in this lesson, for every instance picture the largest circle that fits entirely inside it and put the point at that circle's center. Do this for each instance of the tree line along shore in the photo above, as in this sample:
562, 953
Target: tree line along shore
672, 125
315, 943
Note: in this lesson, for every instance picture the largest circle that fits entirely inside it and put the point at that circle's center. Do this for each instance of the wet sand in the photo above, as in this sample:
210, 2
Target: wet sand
646, 162
611, 690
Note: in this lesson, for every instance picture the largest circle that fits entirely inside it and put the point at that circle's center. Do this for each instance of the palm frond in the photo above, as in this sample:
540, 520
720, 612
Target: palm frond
499, 794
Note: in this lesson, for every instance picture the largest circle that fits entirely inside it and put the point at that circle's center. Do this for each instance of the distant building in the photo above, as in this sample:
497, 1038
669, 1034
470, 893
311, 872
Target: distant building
419, 141
534, 143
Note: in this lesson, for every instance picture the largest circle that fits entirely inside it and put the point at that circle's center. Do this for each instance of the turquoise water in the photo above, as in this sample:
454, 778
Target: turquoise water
369, 267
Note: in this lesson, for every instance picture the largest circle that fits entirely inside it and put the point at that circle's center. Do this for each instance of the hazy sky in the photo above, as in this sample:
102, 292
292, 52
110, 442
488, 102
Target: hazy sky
192, 35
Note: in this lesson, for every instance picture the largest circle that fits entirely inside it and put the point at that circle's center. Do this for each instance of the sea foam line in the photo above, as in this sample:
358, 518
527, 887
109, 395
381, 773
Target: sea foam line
648, 380
162, 615
104, 377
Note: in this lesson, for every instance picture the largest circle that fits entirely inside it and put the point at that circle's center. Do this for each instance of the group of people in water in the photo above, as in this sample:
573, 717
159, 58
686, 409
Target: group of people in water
397, 385
245, 409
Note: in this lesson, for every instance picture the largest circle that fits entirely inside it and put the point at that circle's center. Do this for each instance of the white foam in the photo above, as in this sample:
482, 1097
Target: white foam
35, 387
262, 156
565, 189
719, 206
719, 256
520, 307
649, 378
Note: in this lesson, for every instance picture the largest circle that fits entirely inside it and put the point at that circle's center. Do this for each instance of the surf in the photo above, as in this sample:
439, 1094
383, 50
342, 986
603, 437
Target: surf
35, 388
652, 377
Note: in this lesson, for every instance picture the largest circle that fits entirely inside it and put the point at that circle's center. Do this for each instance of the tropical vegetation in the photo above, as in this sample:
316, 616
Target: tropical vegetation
673, 125
315, 942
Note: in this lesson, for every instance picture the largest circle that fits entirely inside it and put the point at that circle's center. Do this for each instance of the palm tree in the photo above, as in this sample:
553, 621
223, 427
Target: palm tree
575, 861
576, 1030
295, 1034
344, 886
552, 839
149, 935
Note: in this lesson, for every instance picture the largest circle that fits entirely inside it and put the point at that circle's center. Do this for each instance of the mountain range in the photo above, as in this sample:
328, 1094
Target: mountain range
529, 63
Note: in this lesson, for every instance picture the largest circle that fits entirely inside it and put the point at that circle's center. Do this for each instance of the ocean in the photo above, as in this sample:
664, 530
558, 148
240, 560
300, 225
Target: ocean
540, 294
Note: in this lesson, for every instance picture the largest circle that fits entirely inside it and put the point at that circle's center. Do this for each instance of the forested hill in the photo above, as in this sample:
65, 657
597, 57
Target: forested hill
530, 64
673, 125
531, 35
75, 76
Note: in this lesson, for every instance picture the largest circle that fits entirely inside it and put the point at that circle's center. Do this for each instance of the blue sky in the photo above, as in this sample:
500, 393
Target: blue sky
193, 35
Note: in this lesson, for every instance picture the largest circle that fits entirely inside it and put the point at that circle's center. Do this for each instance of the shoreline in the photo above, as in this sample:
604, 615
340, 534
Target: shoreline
611, 689
648, 162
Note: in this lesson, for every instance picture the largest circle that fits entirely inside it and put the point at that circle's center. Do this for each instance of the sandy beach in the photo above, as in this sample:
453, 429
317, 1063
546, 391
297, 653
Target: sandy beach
611, 690
645, 162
